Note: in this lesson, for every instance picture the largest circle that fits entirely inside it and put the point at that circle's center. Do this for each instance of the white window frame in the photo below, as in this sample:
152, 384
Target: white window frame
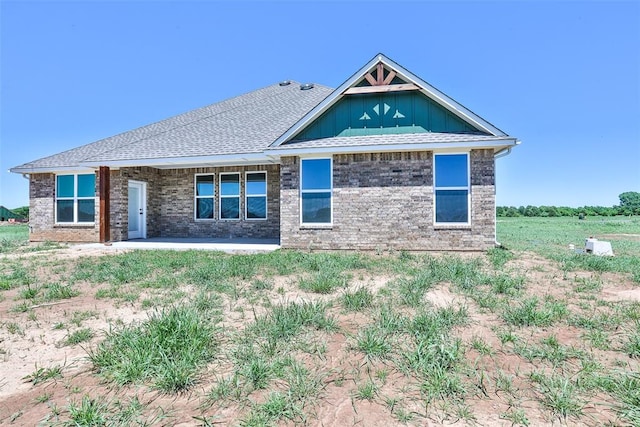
75, 199
196, 197
221, 174
467, 188
330, 191
247, 195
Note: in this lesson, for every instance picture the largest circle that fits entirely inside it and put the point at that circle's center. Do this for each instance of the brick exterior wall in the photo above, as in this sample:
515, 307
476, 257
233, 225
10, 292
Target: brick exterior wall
380, 201
170, 206
42, 214
386, 201
176, 218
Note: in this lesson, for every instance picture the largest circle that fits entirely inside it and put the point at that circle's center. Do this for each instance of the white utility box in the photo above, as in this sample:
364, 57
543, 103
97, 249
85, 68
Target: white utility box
596, 247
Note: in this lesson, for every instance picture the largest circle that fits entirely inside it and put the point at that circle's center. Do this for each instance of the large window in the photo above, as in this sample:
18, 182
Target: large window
255, 195
230, 196
315, 191
205, 196
452, 188
75, 198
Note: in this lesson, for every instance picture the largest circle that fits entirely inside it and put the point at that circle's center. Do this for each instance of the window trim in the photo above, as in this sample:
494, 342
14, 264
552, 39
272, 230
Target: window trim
196, 197
221, 196
247, 195
467, 188
75, 199
330, 191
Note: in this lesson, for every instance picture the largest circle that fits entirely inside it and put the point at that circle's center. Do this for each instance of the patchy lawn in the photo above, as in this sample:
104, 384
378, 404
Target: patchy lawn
535, 335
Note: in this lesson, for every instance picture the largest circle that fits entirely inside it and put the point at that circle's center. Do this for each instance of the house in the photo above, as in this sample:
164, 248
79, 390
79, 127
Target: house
383, 161
9, 215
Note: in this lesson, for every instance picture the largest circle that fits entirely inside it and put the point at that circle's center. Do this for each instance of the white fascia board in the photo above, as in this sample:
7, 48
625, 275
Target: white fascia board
52, 169
194, 161
379, 148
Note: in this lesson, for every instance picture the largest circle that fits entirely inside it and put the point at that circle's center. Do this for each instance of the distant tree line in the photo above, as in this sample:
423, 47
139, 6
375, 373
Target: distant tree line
629, 205
22, 211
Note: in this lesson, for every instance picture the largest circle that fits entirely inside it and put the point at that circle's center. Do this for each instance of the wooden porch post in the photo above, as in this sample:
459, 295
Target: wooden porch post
104, 204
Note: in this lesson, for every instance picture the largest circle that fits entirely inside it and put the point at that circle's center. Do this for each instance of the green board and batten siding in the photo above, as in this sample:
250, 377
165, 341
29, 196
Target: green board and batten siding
386, 113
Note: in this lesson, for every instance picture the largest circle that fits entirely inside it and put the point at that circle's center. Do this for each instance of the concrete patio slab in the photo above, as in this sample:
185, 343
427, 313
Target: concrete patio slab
183, 244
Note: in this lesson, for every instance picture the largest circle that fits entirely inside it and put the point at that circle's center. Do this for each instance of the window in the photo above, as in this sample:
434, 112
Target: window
315, 191
452, 188
255, 195
75, 198
205, 196
230, 196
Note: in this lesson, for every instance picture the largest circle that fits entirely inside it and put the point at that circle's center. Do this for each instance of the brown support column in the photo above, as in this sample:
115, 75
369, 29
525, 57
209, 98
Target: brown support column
104, 204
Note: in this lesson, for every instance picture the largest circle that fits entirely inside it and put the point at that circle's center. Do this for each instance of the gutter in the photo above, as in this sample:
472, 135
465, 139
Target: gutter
505, 151
501, 153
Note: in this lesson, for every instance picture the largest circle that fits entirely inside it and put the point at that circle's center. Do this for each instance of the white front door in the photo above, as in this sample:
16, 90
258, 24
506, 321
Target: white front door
137, 210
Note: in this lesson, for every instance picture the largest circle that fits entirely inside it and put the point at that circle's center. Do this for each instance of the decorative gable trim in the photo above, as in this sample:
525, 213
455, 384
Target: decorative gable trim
386, 71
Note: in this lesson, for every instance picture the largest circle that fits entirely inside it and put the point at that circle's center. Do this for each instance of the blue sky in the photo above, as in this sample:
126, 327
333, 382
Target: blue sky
563, 77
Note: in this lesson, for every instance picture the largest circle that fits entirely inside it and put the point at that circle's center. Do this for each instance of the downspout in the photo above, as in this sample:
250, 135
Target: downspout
28, 178
501, 153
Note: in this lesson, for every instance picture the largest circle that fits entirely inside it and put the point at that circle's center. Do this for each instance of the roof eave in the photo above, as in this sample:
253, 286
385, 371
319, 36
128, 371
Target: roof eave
496, 145
186, 162
51, 169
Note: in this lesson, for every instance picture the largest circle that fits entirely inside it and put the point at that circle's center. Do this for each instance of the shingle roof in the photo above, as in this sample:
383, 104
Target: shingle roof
244, 124
391, 139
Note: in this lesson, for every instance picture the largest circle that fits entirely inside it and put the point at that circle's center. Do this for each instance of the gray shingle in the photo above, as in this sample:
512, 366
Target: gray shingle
245, 124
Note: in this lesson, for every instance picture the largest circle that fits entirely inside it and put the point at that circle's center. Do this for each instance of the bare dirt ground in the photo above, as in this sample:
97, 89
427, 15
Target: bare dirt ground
36, 339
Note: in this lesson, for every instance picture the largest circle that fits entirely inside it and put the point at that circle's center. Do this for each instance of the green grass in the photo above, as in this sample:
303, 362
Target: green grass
324, 281
271, 360
41, 375
560, 395
357, 300
79, 336
167, 350
96, 412
373, 343
12, 237
530, 312
551, 237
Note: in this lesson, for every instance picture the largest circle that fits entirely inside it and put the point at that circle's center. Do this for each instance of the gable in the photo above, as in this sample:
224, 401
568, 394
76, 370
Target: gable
384, 98
385, 113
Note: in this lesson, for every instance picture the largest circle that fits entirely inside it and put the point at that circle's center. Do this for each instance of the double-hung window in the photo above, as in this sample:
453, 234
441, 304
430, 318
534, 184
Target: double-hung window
229, 196
451, 188
75, 198
316, 184
205, 196
255, 195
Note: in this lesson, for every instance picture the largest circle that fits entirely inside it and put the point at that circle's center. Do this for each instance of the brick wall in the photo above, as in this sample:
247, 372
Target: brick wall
385, 200
119, 194
176, 210
380, 201
42, 214
170, 206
